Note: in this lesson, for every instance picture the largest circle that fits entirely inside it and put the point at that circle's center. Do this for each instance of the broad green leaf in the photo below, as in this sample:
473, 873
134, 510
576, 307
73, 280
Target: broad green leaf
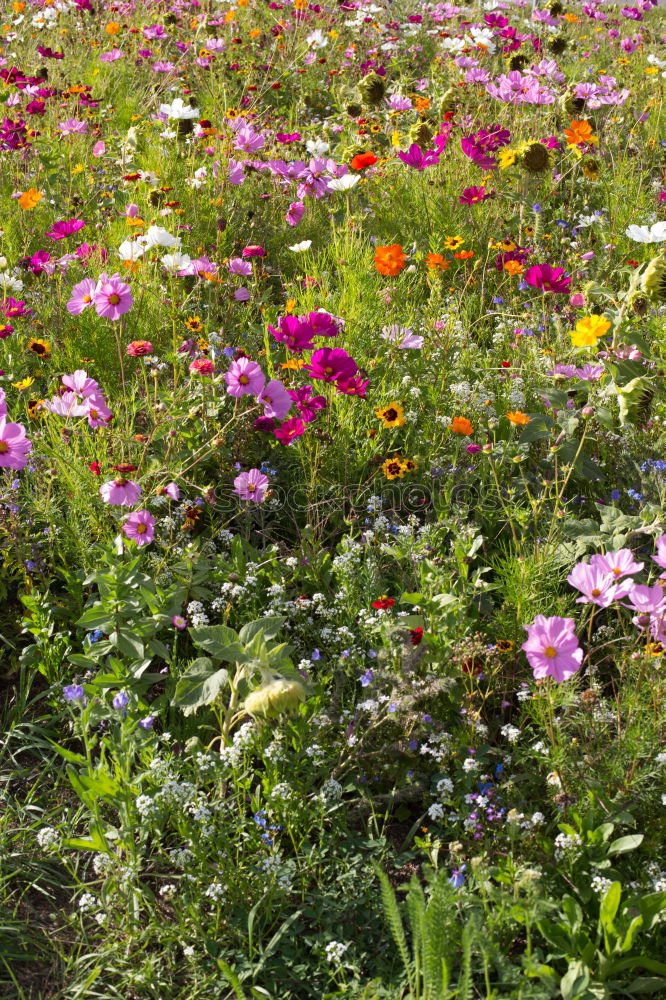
539, 427
69, 755
624, 844
574, 981
127, 643
609, 906
267, 627
219, 641
199, 686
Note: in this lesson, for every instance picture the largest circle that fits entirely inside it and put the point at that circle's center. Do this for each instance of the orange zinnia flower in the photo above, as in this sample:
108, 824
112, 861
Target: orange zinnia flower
363, 160
390, 260
579, 132
461, 425
518, 418
435, 262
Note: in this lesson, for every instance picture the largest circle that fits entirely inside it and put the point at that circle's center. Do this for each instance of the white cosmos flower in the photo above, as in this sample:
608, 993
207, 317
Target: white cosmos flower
130, 250
176, 261
301, 247
344, 183
178, 109
647, 234
157, 236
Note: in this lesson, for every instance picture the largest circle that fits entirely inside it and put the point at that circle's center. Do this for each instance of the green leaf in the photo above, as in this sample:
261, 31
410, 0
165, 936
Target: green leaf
646, 984
574, 981
69, 755
412, 598
624, 844
96, 617
609, 906
199, 686
218, 640
266, 627
539, 427
127, 643
97, 841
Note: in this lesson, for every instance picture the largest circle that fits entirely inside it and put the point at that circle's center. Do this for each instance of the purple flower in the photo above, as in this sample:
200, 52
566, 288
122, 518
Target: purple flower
294, 333
416, 158
112, 298
366, 678
295, 213
331, 364
65, 228
275, 399
120, 700
73, 692
597, 584
552, 648
179, 622
140, 527
547, 278
251, 485
289, 430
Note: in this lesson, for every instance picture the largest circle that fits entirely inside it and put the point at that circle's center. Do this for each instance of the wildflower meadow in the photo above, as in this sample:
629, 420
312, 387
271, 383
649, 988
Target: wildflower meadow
332, 500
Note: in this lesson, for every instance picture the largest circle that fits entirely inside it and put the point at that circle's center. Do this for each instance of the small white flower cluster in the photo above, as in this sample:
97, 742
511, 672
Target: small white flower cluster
48, 838
565, 844
331, 791
196, 614
215, 891
233, 756
510, 733
600, 885
335, 951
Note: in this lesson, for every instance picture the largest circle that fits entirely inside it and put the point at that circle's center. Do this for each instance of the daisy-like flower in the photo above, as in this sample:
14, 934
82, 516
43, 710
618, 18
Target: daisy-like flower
112, 297
392, 415
620, 563
97, 412
275, 399
588, 331
82, 296
244, 378
461, 425
81, 383
251, 485
331, 364
518, 418
552, 648
597, 585
140, 527
647, 234
14, 445
120, 492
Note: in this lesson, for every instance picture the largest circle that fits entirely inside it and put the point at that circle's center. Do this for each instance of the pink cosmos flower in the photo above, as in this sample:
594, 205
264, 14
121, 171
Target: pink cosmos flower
99, 149
251, 485
618, 564
14, 445
3, 403
660, 557
307, 405
120, 492
82, 296
552, 648
97, 412
172, 490
473, 195
295, 213
72, 126
140, 527
112, 298
646, 600
331, 364
294, 333
275, 399
547, 278
416, 158
66, 405
597, 585
139, 348
202, 367
65, 228
80, 383
244, 378
356, 386
289, 430
236, 265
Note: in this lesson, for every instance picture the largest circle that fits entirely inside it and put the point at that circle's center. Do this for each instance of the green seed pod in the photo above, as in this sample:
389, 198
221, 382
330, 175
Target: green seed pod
372, 88
653, 282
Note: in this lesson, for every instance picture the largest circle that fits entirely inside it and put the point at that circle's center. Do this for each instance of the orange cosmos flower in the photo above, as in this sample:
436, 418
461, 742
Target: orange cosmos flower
464, 255
518, 418
112, 28
29, 199
579, 132
390, 260
435, 262
461, 425
513, 267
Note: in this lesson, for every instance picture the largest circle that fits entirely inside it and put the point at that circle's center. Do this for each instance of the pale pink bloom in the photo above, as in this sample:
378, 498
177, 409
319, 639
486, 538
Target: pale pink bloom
120, 492
596, 585
81, 383
67, 405
646, 600
3, 404
251, 485
275, 400
172, 491
244, 378
140, 527
97, 412
112, 298
99, 149
618, 563
660, 557
236, 265
82, 296
552, 648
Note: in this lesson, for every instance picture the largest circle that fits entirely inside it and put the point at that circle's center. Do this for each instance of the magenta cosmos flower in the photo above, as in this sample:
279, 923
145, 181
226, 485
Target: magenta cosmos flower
120, 492
275, 399
473, 195
251, 485
140, 527
552, 648
547, 278
289, 430
82, 296
112, 298
294, 333
14, 445
331, 364
244, 378
65, 227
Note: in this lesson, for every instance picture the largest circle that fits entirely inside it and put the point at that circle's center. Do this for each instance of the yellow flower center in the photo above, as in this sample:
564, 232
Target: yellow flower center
550, 652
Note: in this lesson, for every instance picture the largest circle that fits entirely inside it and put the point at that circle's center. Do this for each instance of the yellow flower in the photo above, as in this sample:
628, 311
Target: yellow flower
518, 418
507, 158
24, 384
392, 415
453, 242
588, 330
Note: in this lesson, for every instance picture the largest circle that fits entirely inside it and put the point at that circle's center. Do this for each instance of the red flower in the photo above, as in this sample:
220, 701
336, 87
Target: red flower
416, 636
363, 160
383, 602
472, 666
95, 468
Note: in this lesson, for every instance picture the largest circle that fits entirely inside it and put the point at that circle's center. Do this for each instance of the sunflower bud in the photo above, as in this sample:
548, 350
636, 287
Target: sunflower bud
534, 158
573, 106
275, 698
420, 134
638, 302
653, 282
372, 88
449, 101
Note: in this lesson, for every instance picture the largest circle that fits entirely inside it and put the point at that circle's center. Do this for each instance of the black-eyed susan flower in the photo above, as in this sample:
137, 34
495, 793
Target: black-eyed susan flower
392, 415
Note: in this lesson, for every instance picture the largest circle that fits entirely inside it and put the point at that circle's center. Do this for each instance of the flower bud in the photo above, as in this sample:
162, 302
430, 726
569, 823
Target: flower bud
275, 698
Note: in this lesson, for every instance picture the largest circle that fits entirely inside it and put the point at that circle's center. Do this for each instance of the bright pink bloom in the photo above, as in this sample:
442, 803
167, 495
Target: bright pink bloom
253, 251
113, 297
251, 485
307, 405
646, 600
236, 265
473, 195
139, 348
65, 228
295, 213
202, 367
82, 296
552, 648
275, 399
416, 158
597, 585
172, 490
547, 278
357, 386
294, 334
80, 383
14, 445
244, 378
99, 149
140, 527
618, 564
120, 492
331, 364
289, 430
